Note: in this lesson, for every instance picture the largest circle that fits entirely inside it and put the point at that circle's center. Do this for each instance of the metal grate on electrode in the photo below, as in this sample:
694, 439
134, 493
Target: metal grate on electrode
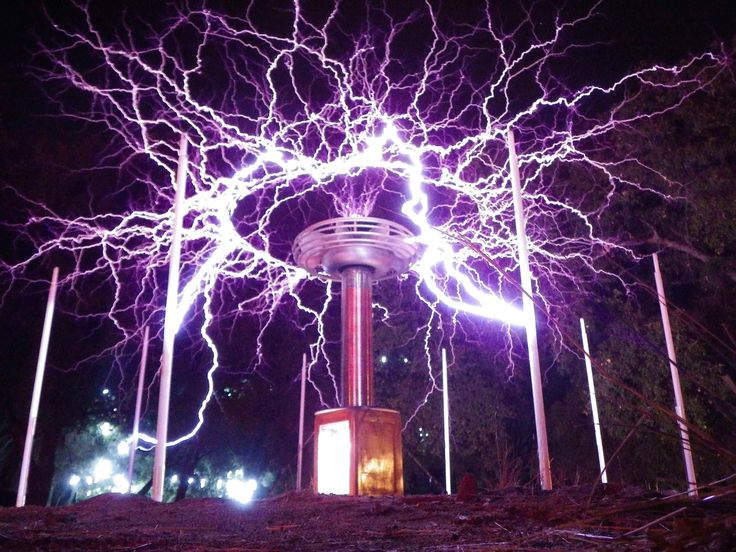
326, 248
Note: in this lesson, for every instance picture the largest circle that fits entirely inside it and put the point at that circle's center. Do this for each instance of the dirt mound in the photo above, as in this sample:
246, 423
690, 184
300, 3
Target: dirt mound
566, 519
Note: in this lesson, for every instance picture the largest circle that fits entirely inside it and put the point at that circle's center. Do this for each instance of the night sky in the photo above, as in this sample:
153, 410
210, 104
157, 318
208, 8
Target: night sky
633, 32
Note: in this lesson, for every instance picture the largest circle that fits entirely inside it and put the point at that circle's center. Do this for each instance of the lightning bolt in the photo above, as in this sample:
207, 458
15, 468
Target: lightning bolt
298, 115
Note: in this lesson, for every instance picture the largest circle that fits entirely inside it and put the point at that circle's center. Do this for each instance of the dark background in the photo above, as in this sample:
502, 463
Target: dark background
39, 149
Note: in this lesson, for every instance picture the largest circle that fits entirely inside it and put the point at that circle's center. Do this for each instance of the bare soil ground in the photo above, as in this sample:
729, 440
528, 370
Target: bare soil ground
579, 518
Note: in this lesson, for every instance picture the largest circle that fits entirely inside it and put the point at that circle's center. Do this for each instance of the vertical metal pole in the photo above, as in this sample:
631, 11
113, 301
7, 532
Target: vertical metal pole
300, 455
594, 404
172, 296
137, 415
37, 385
687, 453
545, 473
446, 418
357, 337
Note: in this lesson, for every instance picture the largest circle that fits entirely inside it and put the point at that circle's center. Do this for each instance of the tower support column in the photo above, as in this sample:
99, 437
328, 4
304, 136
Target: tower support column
357, 337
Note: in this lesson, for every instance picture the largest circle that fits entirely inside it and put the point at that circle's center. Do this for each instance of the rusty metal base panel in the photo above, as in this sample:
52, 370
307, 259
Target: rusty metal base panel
358, 451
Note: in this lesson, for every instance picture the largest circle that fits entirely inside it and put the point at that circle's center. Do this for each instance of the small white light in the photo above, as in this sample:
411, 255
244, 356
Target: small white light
202, 483
88, 480
190, 480
120, 483
239, 472
105, 391
102, 470
123, 448
241, 491
74, 480
174, 479
219, 484
106, 429
406, 360
384, 359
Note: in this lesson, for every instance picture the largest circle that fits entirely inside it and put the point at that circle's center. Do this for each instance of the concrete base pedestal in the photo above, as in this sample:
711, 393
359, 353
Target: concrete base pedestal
357, 451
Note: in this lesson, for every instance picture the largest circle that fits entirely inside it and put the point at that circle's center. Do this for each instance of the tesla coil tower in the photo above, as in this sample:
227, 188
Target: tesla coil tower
358, 446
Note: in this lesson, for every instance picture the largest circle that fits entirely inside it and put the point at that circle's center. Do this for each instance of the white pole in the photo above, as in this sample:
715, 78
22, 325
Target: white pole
137, 415
446, 417
172, 293
300, 455
594, 404
37, 385
687, 453
545, 473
